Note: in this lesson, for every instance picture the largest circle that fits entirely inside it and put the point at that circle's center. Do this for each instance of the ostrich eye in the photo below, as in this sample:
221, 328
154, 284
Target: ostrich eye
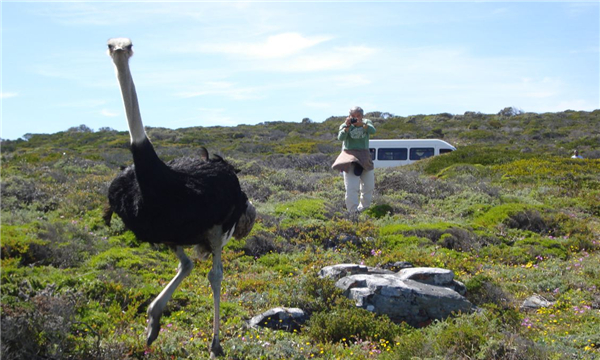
110, 47
129, 47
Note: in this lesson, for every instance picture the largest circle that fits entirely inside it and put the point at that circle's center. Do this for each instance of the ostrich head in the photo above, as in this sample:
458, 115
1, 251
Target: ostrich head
120, 49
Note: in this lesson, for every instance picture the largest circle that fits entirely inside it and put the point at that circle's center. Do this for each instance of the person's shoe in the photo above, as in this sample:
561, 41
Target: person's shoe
357, 169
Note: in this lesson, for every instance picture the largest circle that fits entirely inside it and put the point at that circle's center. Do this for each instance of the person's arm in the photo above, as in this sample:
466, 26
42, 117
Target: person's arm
343, 132
370, 128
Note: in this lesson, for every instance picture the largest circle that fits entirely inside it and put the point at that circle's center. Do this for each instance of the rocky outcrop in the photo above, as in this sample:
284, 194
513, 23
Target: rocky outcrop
339, 271
416, 296
433, 276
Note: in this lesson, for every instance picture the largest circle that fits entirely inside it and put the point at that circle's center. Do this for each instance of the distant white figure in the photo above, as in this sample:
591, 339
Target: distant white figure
355, 160
576, 155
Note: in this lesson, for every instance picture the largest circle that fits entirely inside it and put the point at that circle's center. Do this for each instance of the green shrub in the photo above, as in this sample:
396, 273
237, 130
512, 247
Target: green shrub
481, 290
391, 180
514, 215
305, 208
474, 155
379, 211
17, 241
460, 170
349, 325
467, 337
314, 295
278, 263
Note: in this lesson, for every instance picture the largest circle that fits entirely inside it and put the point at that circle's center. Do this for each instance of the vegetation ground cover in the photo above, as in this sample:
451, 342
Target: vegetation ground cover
509, 212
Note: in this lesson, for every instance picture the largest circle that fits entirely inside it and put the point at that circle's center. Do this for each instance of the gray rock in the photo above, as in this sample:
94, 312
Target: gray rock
415, 303
433, 276
336, 272
535, 302
458, 287
280, 318
398, 265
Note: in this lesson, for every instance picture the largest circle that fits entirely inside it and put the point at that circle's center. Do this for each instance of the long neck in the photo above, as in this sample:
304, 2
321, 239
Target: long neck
132, 109
147, 163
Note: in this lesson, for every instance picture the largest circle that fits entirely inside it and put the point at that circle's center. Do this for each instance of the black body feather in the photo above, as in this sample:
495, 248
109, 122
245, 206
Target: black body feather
176, 203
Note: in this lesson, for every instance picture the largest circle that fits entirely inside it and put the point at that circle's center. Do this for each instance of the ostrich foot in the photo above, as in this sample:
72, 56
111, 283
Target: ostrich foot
215, 349
153, 328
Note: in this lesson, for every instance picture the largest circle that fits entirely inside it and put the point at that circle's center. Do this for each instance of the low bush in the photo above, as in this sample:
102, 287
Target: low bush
482, 290
391, 181
514, 215
351, 325
314, 295
467, 337
379, 211
44, 330
305, 208
260, 244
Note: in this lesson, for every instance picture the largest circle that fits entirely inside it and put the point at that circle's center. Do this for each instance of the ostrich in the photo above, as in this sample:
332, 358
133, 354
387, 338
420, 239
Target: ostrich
184, 202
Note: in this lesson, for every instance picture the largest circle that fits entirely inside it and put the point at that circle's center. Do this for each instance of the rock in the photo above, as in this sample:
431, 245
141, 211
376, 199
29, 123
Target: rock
336, 272
416, 296
398, 265
433, 276
413, 302
458, 287
280, 318
535, 302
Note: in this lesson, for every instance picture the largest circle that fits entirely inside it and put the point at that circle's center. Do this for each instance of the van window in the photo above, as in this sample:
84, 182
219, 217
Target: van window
421, 153
445, 151
392, 154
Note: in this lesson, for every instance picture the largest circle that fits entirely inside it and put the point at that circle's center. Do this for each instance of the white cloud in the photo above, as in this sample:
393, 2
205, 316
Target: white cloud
318, 105
351, 80
6, 95
340, 58
275, 46
108, 113
82, 104
208, 117
222, 88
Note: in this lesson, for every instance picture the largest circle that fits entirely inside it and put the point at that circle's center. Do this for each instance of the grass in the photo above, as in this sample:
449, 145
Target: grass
510, 224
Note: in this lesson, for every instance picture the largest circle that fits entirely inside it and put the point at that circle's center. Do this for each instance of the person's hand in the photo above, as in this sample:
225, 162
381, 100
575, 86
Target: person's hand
358, 123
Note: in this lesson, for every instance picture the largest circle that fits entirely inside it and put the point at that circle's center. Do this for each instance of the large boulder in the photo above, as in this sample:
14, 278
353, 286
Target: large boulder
416, 296
338, 271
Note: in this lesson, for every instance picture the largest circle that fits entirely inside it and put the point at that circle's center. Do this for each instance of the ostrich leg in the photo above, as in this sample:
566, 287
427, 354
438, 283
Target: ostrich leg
215, 276
157, 307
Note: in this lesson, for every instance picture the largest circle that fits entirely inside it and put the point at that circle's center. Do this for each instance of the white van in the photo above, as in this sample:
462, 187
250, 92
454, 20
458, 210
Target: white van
397, 152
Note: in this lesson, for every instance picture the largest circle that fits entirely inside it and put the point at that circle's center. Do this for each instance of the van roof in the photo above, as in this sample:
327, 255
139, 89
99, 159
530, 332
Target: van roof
412, 141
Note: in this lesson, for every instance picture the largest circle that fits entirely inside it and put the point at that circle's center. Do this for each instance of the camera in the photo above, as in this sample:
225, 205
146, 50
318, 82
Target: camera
353, 120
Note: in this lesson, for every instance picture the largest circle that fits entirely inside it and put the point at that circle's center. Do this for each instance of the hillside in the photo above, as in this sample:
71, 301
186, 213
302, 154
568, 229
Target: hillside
509, 212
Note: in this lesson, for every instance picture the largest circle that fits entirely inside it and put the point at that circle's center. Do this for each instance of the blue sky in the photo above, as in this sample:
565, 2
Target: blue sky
228, 63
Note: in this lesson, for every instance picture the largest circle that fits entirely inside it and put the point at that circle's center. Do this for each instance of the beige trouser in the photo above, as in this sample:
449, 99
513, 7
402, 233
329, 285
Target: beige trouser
359, 189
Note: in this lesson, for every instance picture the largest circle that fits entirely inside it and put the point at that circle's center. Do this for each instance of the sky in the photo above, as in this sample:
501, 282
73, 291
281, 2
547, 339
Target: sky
229, 63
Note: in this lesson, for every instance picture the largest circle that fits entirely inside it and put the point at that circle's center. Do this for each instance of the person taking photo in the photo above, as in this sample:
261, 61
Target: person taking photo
355, 160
